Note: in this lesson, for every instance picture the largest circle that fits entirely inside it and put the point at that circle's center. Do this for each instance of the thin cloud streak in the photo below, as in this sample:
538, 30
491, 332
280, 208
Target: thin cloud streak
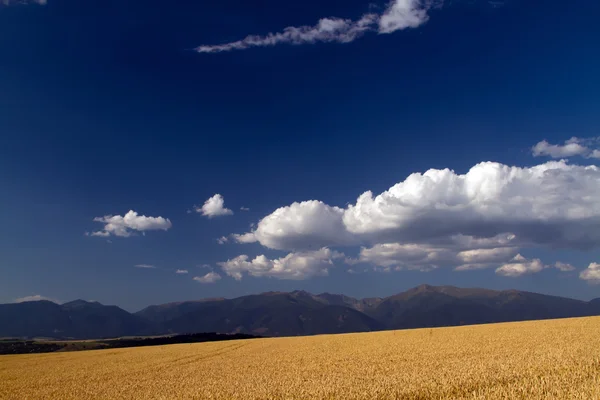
145, 266
399, 15
23, 2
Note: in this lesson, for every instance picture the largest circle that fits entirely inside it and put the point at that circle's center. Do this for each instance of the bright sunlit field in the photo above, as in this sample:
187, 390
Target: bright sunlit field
557, 359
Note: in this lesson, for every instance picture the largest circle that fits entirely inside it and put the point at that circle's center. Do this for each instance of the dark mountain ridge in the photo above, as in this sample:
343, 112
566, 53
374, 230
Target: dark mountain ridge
78, 319
290, 314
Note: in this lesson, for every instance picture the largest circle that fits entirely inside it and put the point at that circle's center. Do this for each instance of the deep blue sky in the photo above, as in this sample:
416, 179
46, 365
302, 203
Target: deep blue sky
104, 108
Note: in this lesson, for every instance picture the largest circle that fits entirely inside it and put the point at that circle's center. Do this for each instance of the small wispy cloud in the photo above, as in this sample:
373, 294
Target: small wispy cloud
564, 267
181, 271
244, 209
145, 266
223, 240
496, 4
22, 2
399, 15
211, 277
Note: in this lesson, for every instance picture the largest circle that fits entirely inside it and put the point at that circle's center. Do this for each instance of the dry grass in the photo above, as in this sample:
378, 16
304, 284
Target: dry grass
531, 360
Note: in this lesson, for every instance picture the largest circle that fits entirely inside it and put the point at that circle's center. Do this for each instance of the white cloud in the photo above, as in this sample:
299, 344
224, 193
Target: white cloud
551, 204
145, 266
302, 226
486, 256
591, 273
99, 234
214, 207
520, 266
130, 224
245, 238
211, 277
564, 267
36, 297
244, 209
400, 14
181, 271
572, 147
294, 266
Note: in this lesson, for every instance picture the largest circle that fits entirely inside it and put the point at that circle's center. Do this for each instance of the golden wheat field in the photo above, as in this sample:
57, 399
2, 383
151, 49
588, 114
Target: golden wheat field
557, 359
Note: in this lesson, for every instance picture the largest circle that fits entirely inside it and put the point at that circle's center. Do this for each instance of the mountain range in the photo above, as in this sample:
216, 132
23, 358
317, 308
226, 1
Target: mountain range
289, 313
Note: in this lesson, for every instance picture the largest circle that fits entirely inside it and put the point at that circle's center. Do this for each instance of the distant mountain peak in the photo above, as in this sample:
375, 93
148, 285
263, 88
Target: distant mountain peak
425, 287
77, 302
273, 293
301, 293
81, 303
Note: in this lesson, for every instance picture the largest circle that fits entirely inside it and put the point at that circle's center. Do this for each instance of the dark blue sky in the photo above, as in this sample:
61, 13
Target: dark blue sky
106, 108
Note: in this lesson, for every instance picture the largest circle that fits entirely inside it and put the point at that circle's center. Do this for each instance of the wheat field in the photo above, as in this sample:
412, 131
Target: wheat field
557, 359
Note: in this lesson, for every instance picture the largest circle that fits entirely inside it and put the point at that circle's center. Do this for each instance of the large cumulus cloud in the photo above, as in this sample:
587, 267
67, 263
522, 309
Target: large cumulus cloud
552, 204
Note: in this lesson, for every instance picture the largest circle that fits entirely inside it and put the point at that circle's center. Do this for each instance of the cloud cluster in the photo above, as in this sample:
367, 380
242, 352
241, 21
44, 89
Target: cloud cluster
400, 14
459, 251
591, 273
214, 207
211, 277
130, 224
294, 266
36, 297
572, 147
480, 219
551, 204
